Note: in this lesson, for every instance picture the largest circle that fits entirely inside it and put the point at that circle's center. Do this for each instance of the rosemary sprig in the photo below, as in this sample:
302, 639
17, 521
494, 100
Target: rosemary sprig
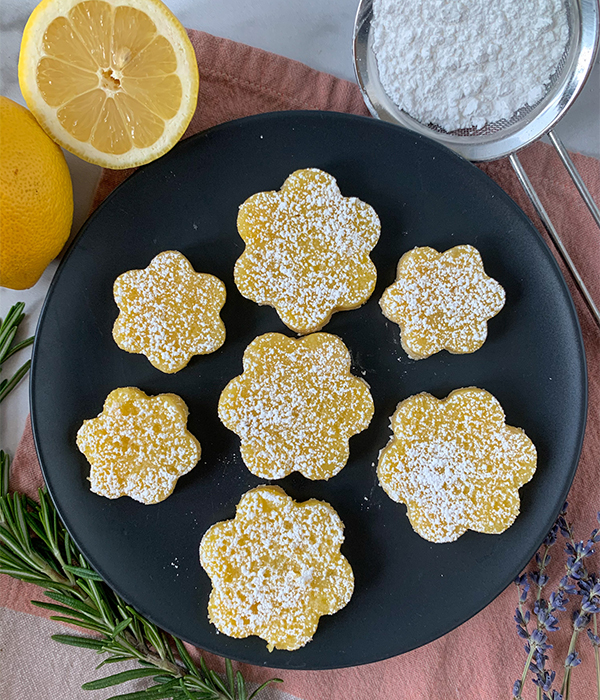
35, 547
8, 331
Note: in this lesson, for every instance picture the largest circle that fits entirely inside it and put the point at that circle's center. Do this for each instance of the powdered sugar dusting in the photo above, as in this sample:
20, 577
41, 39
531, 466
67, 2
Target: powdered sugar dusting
467, 62
307, 250
169, 312
455, 464
296, 406
138, 446
442, 301
276, 568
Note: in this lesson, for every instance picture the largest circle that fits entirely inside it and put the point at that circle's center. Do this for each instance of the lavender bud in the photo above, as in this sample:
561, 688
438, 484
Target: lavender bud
516, 689
521, 580
572, 660
557, 601
589, 607
594, 638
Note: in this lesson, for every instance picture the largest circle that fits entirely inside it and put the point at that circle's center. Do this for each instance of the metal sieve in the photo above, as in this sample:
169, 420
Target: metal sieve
504, 137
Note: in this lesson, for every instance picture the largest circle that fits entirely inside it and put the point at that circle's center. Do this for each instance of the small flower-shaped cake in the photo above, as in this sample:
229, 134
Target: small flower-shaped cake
456, 464
138, 446
296, 406
276, 568
307, 250
169, 312
442, 301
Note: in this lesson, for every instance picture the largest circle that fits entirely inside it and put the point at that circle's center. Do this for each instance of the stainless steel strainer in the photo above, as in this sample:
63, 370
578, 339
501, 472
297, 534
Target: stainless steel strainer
505, 137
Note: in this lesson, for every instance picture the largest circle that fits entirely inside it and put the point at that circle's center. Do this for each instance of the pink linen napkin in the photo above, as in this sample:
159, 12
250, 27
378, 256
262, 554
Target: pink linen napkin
482, 658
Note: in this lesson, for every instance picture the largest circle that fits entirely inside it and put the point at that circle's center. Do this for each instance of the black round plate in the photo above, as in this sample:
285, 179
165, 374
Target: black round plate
408, 591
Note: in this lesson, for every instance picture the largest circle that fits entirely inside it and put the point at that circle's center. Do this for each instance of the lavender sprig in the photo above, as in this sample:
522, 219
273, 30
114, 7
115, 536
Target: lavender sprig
577, 581
587, 587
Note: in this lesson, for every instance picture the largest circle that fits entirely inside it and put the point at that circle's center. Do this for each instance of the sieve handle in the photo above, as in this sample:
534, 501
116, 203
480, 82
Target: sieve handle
575, 176
553, 233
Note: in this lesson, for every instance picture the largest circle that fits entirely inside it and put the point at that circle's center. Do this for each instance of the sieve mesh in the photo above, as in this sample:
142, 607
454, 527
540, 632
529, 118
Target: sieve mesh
505, 136
554, 85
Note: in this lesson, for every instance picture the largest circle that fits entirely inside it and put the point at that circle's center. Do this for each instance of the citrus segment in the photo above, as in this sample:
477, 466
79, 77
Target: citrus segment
113, 81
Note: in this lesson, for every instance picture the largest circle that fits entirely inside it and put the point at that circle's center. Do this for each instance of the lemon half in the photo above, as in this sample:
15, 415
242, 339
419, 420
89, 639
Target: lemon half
113, 81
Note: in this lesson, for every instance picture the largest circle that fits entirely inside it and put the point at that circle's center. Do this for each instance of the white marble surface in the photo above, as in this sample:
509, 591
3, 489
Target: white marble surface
316, 32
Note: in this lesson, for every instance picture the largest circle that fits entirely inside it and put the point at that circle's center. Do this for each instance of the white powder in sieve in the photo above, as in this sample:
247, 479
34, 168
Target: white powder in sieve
465, 63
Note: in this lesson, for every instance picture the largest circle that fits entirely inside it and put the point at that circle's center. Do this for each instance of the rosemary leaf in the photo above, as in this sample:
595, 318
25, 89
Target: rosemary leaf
162, 679
60, 609
156, 692
186, 693
4, 475
8, 331
242, 692
19, 346
230, 678
72, 603
218, 683
7, 385
84, 573
264, 685
119, 678
120, 627
79, 623
113, 660
186, 658
85, 642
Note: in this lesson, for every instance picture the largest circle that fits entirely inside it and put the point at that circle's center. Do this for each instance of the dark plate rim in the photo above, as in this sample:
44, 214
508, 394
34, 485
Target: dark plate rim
312, 114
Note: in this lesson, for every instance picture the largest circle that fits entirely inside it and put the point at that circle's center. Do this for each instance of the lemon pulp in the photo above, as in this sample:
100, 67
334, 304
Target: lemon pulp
115, 84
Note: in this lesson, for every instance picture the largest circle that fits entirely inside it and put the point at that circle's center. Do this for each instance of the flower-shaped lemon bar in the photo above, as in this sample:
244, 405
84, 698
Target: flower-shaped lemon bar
169, 312
442, 301
456, 464
296, 406
138, 446
276, 568
307, 250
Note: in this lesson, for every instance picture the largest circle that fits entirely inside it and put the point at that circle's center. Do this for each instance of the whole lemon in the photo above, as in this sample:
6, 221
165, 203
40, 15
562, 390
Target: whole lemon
36, 197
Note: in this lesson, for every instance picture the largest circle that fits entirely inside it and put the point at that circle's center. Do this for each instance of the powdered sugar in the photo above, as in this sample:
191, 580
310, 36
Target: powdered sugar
296, 406
169, 312
276, 568
455, 464
465, 63
307, 250
138, 446
442, 300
